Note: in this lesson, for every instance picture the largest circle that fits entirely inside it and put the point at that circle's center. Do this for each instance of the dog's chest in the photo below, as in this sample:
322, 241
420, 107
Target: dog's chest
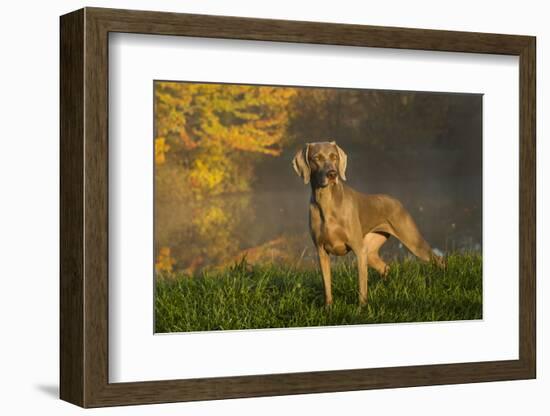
328, 233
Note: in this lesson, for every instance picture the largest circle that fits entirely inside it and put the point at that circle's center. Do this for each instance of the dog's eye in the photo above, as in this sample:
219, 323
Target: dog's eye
333, 156
318, 158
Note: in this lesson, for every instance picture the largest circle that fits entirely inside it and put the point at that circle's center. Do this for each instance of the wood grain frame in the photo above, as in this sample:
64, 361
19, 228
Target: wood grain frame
84, 207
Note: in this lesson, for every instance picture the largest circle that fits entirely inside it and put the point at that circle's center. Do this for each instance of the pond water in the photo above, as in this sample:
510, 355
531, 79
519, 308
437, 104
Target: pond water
271, 226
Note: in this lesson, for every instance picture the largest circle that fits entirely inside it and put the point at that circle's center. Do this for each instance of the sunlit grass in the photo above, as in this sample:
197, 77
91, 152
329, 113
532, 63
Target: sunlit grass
244, 297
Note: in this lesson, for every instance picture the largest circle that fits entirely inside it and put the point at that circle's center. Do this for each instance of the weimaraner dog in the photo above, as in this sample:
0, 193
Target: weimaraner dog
342, 219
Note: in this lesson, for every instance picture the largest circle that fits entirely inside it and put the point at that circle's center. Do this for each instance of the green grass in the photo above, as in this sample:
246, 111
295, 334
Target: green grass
242, 297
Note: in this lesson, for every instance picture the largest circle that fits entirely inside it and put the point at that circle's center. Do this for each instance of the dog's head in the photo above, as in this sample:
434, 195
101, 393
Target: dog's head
322, 163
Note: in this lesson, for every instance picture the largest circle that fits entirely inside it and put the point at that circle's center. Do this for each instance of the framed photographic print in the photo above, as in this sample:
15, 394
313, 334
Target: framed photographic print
255, 207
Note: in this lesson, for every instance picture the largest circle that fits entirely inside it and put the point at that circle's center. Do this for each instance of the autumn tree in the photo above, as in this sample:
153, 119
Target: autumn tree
208, 138
211, 129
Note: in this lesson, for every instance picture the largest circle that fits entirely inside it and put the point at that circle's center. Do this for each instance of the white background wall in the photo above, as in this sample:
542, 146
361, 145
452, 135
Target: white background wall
29, 159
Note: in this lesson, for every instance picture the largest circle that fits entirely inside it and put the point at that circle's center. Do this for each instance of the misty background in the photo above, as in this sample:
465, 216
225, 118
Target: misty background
225, 188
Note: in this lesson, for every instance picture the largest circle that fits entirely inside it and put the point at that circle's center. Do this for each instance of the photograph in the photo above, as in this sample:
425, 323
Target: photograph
293, 206
276, 205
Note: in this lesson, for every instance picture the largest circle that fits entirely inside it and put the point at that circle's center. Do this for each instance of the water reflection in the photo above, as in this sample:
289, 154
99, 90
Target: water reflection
272, 226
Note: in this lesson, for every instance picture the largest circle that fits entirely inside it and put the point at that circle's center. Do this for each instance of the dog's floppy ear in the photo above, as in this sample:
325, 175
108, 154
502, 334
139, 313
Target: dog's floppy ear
300, 163
342, 161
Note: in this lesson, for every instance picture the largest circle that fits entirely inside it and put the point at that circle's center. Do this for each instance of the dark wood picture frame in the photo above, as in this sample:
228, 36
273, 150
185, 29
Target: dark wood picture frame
84, 207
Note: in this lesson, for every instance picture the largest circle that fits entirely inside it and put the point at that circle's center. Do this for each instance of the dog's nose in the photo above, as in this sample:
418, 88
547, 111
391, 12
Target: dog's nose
332, 174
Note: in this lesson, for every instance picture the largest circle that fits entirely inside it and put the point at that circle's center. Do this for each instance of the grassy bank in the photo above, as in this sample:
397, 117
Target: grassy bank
241, 297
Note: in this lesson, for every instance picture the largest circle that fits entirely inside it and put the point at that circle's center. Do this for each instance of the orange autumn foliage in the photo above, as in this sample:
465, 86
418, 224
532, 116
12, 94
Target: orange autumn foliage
219, 124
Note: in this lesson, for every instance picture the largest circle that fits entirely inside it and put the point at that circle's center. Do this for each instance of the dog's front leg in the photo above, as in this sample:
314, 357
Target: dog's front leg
360, 251
363, 273
324, 262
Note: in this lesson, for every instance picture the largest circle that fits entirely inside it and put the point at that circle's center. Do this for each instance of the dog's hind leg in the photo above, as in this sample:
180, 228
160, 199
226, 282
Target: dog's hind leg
404, 228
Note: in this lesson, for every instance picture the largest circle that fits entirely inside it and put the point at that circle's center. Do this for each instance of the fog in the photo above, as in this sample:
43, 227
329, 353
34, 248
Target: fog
424, 149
